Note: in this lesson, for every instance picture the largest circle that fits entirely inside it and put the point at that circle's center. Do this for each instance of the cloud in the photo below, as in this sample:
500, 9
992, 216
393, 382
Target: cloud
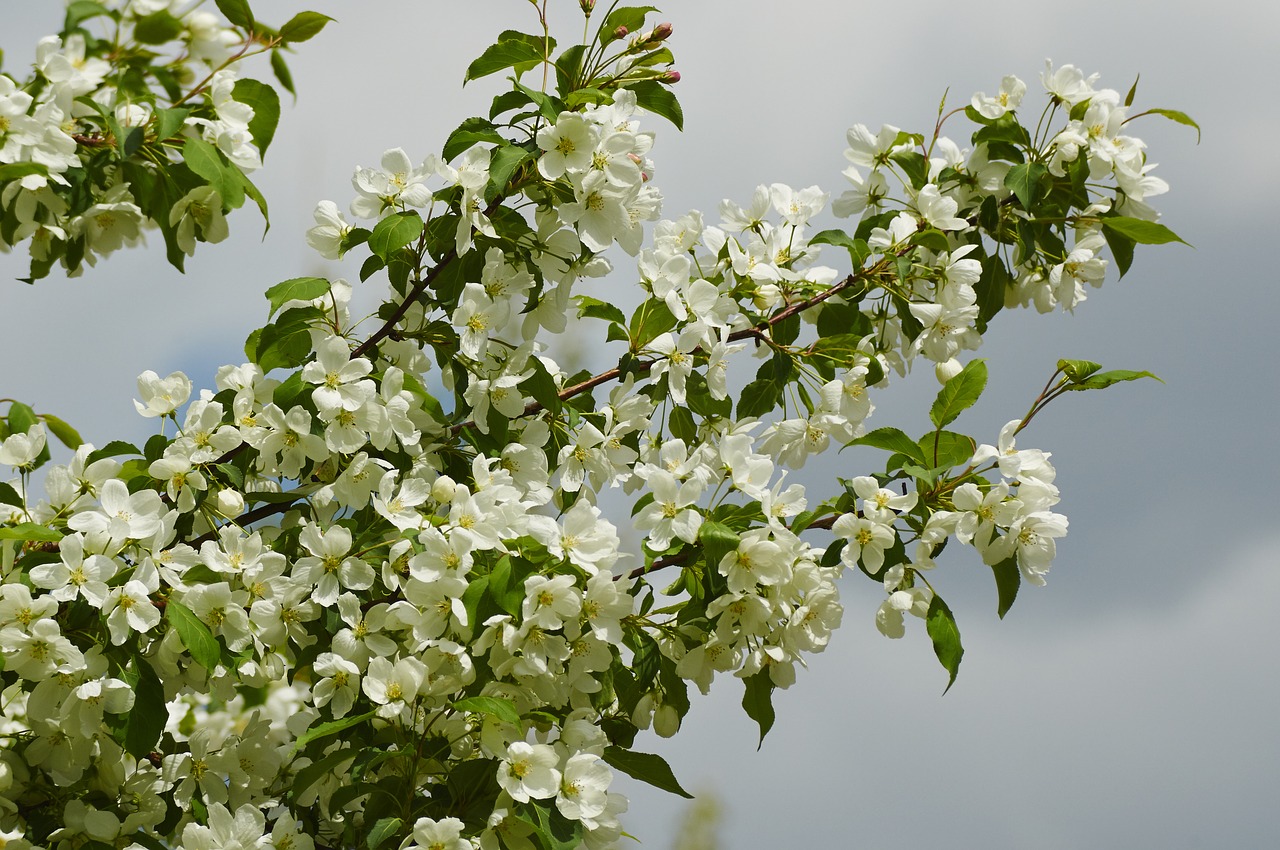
1155, 730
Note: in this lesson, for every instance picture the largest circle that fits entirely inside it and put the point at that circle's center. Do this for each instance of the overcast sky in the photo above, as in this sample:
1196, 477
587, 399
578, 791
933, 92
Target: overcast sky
1133, 701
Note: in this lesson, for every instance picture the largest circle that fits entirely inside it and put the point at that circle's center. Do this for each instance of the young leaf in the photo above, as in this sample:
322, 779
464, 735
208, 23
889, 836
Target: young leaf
646, 767
1172, 115
1078, 370
717, 540
1102, 380
303, 26
297, 289
959, 393
195, 635
941, 625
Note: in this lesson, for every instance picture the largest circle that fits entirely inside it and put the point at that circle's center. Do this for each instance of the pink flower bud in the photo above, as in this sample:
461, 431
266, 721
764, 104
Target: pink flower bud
671, 77
661, 32
587, 6
620, 33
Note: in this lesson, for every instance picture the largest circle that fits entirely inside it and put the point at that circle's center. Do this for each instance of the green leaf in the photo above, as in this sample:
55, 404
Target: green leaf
646, 767
14, 170
542, 387
758, 702
717, 540
947, 449
114, 448
280, 68
317, 770
503, 163
169, 122
681, 424
892, 440
1121, 248
946, 637
394, 232
991, 290
469, 133
505, 54
758, 398
1133, 91
1008, 580
503, 709
157, 28
30, 531
382, 830
266, 110
1172, 115
303, 27
857, 248
145, 722
596, 309
67, 435
286, 343
1024, 181
959, 393
21, 418
1102, 380
333, 727
1078, 370
83, 10
9, 496
631, 17
1141, 231
208, 162
195, 635
658, 99
297, 289
554, 830
237, 12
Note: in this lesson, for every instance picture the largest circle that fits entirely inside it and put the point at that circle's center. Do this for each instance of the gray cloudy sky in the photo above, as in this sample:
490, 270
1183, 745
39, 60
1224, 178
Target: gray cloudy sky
1131, 703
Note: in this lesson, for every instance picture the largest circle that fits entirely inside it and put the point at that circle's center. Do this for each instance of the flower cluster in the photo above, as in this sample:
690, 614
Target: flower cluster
89, 142
370, 594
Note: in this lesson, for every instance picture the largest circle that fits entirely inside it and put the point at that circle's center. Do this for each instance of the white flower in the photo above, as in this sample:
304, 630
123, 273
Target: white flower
529, 772
21, 450
1009, 97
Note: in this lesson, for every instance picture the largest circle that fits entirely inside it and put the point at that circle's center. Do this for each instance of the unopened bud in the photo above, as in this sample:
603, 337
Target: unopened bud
661, 32
587, 6
666, 720
443, 488
230, 503
671, 77
947, 370
620, 33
